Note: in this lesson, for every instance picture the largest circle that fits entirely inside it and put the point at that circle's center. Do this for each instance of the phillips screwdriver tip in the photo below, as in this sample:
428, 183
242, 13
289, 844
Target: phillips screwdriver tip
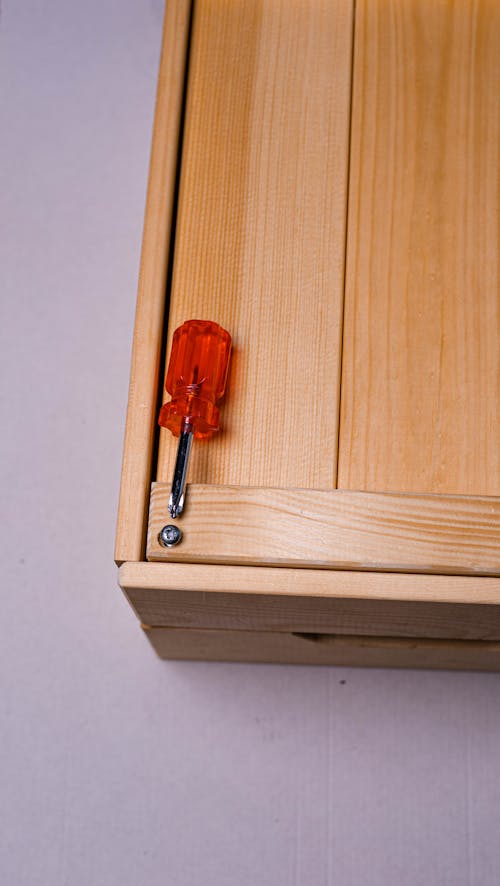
176, 500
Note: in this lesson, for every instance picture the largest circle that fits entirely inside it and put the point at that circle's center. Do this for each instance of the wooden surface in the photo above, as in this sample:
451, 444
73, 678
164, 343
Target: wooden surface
336, 529
260, 243
320, 601
323, 649
261, 232
341, 584
421, 364
149, 320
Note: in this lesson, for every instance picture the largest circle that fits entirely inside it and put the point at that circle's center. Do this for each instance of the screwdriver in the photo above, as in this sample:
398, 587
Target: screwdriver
196, 380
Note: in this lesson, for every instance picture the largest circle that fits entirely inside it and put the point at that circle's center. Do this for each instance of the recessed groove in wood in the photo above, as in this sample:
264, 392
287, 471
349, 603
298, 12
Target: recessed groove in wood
421, 357
336, 529
260, 239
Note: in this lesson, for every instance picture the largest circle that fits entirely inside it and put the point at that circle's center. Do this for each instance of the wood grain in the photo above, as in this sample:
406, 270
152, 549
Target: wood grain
149, 319
421, 363
340, 584
307, 600
322, 649
261, 231
336, 529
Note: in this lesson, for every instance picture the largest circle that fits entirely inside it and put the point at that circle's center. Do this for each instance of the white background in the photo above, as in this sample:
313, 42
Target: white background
119, 769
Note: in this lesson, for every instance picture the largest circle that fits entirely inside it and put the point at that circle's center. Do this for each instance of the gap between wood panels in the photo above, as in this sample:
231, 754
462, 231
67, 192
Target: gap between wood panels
348, 194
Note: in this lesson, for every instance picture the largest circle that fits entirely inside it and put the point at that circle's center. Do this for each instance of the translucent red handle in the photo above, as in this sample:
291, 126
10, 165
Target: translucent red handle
196, 378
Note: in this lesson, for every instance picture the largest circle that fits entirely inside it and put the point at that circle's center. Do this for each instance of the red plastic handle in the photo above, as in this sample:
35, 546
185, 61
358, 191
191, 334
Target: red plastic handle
196, 378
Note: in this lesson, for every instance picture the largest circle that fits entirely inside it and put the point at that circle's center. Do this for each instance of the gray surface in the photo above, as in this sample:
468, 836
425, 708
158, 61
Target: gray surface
118, 769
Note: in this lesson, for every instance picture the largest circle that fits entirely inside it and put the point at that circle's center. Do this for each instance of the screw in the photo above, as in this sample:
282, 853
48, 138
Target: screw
169, 536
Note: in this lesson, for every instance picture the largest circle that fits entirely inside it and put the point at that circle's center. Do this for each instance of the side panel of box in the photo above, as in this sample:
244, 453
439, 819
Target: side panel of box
322, 649
313, 600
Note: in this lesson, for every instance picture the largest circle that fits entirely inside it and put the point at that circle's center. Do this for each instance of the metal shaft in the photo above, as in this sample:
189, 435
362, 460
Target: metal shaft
176, 500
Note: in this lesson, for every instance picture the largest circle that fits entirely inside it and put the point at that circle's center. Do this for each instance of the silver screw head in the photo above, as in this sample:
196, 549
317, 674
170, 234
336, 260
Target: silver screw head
169, 536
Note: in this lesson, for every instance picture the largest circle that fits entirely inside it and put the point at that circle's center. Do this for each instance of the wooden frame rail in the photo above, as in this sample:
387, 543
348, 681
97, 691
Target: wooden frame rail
332, 529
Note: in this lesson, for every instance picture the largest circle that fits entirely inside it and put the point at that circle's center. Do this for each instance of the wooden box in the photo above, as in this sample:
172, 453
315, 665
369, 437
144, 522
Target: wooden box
324, 183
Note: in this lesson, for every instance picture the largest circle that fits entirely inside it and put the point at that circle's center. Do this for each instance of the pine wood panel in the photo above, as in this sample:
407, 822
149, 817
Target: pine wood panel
149, 319
336, 583
336, 529
322, 649
307, 600
421, 365
260, 239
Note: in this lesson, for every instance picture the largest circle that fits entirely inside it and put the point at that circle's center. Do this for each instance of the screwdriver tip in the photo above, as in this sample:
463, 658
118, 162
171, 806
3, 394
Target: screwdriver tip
175, 508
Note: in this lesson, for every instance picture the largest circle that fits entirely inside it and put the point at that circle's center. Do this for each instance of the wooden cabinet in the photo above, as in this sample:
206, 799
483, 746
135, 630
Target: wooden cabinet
325, 185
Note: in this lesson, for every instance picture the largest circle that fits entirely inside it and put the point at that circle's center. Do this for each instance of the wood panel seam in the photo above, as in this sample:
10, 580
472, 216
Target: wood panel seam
347, 201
